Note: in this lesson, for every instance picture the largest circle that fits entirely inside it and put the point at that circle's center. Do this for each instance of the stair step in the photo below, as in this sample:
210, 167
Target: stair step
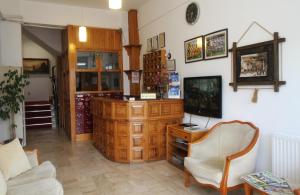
40, 126
36, 102
38, 120
44, 113
34, 105
37, 107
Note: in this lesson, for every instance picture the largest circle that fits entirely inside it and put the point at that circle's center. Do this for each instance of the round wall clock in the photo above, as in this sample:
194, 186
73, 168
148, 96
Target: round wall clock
192, 13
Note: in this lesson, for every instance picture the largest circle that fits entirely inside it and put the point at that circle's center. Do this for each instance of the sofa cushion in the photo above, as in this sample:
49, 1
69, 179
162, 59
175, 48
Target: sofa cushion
49, 186
3, 185
44, 170
13, 159
211, 170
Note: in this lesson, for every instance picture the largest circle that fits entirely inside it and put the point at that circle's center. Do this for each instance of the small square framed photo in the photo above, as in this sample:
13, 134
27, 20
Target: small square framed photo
155, 43
193, 50
216, 45
171, 65
162, 40
149, 44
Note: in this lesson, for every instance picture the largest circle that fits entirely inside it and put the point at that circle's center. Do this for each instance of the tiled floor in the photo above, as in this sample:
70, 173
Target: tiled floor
84, 171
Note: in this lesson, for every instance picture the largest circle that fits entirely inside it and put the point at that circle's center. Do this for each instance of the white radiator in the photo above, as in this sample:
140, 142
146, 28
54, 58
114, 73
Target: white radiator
286, 157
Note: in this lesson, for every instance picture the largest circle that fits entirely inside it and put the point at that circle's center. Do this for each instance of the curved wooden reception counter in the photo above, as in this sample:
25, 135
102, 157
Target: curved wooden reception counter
133, 131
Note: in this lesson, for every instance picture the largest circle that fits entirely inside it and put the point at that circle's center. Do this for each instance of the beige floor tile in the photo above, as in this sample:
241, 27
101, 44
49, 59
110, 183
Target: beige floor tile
82, 170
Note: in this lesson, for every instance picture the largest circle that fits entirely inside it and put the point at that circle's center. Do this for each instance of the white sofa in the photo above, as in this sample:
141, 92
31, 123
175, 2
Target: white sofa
40, 180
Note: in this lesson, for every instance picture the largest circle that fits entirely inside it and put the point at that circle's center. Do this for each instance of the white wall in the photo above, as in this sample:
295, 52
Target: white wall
274, 112
55, 14
44, 13
40, 88
10, 55
51, 37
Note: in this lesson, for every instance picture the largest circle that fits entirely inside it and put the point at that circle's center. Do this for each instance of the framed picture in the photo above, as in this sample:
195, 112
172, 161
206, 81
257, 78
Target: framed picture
155, 43
216, 45
36, 66
171, 65
193, 49
149, 44
255, 63
135, 77
162, 40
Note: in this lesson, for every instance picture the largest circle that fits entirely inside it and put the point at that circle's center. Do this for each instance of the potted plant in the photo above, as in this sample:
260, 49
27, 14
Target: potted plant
11, 97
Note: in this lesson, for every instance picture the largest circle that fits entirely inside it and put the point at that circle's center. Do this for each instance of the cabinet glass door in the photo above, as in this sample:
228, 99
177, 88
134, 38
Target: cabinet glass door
86, 60
110, 61
110, 81
86, 81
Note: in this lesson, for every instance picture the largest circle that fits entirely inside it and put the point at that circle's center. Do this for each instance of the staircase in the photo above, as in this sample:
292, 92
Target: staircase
38, 115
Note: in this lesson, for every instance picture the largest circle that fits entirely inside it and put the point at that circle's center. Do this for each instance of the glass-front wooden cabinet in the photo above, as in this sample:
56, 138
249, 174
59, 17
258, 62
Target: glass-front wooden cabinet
98, 71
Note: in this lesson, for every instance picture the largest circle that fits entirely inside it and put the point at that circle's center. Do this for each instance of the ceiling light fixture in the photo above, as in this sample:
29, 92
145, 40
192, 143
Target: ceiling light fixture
82, 34
115, 4
82, 30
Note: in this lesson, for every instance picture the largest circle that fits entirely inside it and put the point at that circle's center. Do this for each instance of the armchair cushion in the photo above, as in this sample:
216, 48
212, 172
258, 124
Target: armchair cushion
211, 170
44, 170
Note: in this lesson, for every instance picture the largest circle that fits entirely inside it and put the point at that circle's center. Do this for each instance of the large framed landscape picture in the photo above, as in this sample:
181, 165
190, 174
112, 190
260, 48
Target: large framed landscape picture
193, 49
36, 66
216, 44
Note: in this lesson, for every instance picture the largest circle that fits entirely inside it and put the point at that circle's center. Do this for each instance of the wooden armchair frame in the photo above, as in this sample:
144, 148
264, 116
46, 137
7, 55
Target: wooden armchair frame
189, 179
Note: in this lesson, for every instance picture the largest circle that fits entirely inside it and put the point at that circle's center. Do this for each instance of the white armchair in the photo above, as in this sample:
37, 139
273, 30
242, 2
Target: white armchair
219, 159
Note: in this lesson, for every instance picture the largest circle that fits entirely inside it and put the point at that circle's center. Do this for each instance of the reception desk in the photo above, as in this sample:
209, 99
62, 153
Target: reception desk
133, 131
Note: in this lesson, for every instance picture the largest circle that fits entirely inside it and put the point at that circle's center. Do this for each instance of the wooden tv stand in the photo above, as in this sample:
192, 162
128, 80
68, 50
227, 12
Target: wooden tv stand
133, 131
176, 151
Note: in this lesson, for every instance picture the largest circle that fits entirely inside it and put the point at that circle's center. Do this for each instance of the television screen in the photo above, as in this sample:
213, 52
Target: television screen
203, 96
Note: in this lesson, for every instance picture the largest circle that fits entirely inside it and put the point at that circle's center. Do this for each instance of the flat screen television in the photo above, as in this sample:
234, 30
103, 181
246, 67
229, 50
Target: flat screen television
203, 96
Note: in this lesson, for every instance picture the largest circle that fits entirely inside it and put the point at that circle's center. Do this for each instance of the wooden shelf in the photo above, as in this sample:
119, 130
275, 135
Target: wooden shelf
93, 92
133, 45
110, 71
154, 65
183, 147
179, 150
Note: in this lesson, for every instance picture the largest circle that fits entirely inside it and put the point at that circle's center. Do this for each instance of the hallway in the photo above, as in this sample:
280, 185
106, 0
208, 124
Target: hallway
84, 171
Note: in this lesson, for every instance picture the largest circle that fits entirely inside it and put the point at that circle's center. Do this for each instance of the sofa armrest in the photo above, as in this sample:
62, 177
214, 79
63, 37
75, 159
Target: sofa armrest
32, 156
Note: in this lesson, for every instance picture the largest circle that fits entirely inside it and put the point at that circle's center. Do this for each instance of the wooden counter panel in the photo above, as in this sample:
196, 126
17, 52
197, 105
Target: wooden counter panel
134, 131
108, 110
154, 109
137, 110
137, 127
122, 155
166, 109
153, 126
121, 110
177, 109
122, 128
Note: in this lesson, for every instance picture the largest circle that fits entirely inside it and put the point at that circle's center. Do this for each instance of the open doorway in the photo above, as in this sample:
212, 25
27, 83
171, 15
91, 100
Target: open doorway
42, 51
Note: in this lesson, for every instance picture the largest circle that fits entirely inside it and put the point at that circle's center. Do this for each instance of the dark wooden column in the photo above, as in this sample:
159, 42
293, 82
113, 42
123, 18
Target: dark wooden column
133, 51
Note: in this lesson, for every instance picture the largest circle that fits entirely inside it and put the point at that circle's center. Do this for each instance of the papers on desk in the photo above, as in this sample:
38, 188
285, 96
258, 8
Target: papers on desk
267, 182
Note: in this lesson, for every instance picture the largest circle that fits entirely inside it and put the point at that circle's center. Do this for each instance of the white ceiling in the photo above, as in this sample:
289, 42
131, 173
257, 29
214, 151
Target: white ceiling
102, 4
